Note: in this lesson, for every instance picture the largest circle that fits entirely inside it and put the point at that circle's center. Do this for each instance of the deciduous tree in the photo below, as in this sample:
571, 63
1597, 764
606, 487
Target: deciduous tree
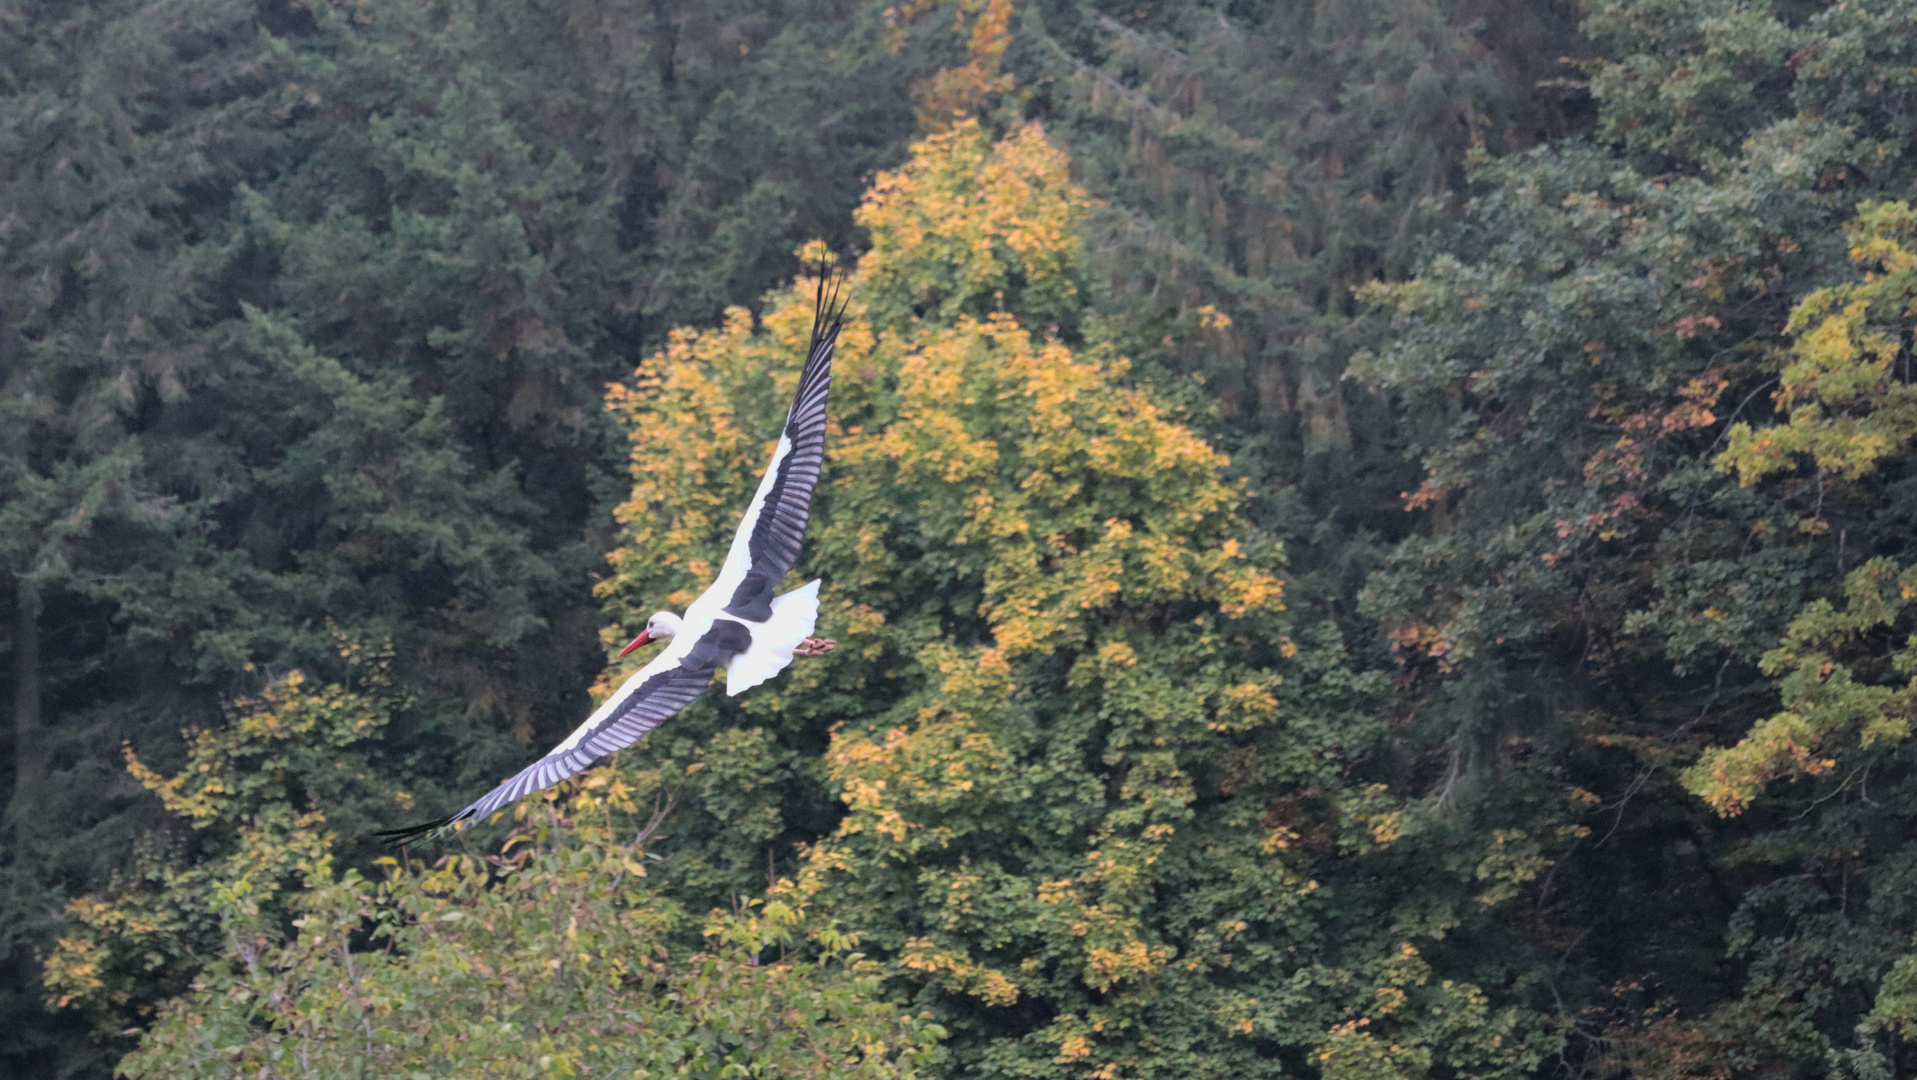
1094, 783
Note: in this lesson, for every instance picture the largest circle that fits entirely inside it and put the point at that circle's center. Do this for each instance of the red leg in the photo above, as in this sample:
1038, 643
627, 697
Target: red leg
813, 646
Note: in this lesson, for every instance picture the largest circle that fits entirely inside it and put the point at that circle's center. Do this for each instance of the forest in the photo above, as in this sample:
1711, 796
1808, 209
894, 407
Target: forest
1367, 539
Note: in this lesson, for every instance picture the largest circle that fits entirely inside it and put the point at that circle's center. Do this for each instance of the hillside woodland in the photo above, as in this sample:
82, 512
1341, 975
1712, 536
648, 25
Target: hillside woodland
1368, 539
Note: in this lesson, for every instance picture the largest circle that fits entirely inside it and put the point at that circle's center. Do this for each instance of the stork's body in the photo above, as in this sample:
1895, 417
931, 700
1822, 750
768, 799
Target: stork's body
736, 624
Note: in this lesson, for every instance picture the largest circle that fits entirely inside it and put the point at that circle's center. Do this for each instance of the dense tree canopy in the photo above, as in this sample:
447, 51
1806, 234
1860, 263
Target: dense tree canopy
1656, 383
305, 316
1367, 538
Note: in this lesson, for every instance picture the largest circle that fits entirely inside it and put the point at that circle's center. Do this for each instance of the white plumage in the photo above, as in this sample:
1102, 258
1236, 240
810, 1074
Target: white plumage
793, 617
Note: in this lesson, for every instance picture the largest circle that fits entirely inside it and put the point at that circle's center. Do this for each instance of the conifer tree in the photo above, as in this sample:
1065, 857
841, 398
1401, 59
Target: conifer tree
1261, 162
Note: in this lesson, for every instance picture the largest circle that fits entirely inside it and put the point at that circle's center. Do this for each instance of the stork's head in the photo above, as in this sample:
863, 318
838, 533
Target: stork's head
663, 624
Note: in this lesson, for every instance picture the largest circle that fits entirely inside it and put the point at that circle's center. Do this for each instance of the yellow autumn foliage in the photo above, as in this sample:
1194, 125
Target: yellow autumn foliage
1038, 478
1847, 406
1847, 409
973, 227
1053, 618
251, 793
1831, 695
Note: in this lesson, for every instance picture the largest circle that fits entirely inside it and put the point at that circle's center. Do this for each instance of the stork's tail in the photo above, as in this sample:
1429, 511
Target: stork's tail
773, 641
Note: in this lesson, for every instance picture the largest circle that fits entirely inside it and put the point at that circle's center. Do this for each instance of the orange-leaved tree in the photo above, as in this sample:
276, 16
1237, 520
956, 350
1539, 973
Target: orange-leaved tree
1071, 771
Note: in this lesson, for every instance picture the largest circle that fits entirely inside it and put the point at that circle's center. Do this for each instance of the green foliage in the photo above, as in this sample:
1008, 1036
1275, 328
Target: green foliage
1847, 411
556, 957
1591, 602
1847, 405
1824, 700
305, 314
551, 959
1256, 163
254, 796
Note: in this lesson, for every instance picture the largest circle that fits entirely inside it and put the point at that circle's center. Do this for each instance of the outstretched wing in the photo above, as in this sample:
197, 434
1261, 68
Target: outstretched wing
649, 698
767, 543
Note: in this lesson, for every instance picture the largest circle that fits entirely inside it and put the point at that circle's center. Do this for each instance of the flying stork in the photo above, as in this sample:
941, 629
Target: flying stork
736, 623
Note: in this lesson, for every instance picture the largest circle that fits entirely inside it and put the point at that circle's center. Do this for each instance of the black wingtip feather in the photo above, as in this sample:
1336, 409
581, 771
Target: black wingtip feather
414, 833
828, 310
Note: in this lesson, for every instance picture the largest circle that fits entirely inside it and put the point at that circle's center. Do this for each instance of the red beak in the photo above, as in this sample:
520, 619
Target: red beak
644, 636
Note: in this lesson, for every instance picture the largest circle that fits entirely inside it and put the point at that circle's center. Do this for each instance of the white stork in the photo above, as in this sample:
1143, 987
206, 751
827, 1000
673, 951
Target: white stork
736, 623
